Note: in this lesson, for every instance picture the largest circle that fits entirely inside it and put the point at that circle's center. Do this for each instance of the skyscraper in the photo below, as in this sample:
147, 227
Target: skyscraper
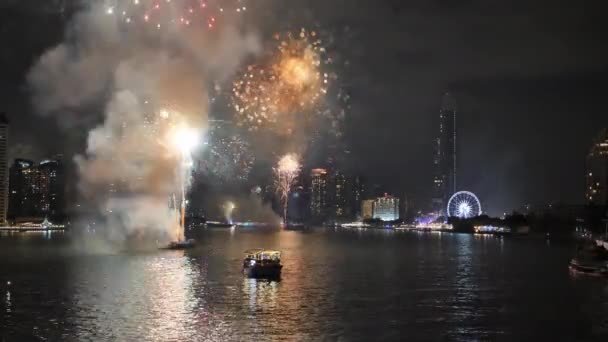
340, 195
3, 167
318, 193
358, 195
445, 160
36, 191
596, 176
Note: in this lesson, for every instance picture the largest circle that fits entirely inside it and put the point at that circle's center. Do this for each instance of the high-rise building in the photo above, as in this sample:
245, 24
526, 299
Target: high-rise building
4, 181
386, 208
596, 175
358, 194
36, 191
341, 195
446, 156
318, 193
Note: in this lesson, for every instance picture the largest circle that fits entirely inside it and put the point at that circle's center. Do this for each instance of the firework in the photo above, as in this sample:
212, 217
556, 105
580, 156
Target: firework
290, 82
286, 172
161, 14
229, 207
177, 142
227, 156
184, 139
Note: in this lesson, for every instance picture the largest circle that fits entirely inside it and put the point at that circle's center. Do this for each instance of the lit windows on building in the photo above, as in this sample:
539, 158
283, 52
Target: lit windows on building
386, 208
318, 193
446, 155
36, 191
341, 195
367, 209
4, 175
597, 170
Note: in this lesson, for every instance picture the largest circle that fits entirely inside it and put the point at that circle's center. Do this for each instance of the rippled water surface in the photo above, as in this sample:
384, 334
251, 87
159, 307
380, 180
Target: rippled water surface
337, 285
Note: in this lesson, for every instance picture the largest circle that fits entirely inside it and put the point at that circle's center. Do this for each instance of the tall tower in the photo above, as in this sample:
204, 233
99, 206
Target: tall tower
445, 160
3, 167
596, 177
318, 193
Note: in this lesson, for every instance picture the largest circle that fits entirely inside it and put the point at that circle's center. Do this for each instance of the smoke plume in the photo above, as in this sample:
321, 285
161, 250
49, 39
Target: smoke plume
150, 80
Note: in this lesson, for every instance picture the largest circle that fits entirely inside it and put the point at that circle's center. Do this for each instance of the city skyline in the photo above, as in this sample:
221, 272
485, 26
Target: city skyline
303, 170
500, 115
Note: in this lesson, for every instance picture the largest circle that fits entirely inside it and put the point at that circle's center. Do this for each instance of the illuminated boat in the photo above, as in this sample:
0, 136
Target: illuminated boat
294, 226
262, 263
216, 224
186, 244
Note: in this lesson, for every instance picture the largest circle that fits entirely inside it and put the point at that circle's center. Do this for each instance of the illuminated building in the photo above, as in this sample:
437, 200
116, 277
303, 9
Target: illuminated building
445, 160
341, 195
367, 209
318, 193
36, 191
596, 176
358, 195
4, 181
386, 208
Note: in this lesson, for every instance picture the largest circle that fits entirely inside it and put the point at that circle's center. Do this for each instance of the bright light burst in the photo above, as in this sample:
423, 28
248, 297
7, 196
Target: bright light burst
289, 82
161, 14
185, 139
229, 207
286, 172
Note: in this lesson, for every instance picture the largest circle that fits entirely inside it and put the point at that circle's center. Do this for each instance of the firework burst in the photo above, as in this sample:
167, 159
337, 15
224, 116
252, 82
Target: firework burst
286, 172
228, 158
163, 14
290, 82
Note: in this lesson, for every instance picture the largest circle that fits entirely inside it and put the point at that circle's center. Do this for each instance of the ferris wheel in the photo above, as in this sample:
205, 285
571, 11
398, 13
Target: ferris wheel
464, 204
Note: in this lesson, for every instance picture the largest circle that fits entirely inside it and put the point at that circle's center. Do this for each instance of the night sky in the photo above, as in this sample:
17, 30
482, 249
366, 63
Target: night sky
528, 78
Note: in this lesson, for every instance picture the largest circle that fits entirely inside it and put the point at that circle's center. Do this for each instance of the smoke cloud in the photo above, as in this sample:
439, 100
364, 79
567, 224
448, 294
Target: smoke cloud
149, 80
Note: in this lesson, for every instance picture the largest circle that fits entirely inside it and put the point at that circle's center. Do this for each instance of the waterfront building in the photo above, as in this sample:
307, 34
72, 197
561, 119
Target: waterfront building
596, 177
367, 209
446, 156
318, 193
36, 190
4, 179
386, 208
341, 195
358, 193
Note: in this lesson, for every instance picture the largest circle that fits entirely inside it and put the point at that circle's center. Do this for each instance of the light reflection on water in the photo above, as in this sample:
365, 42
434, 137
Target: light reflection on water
336, 284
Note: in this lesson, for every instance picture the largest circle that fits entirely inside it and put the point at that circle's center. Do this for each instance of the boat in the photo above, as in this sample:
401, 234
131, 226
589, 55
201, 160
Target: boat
589, 267
294, 226
602, 243
215, 224
185, 244
262, 263
590, 260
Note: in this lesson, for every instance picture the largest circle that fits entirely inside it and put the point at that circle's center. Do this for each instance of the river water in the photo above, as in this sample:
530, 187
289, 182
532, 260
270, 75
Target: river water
337, 285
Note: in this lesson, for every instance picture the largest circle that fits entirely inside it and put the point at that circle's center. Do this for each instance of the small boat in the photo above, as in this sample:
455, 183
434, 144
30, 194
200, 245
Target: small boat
215, 224
185, 244
262, 263
589, 267
294, 226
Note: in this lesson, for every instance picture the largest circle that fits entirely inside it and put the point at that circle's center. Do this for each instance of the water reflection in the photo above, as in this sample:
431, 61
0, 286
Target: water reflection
336, 284
261, 293
149, 297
